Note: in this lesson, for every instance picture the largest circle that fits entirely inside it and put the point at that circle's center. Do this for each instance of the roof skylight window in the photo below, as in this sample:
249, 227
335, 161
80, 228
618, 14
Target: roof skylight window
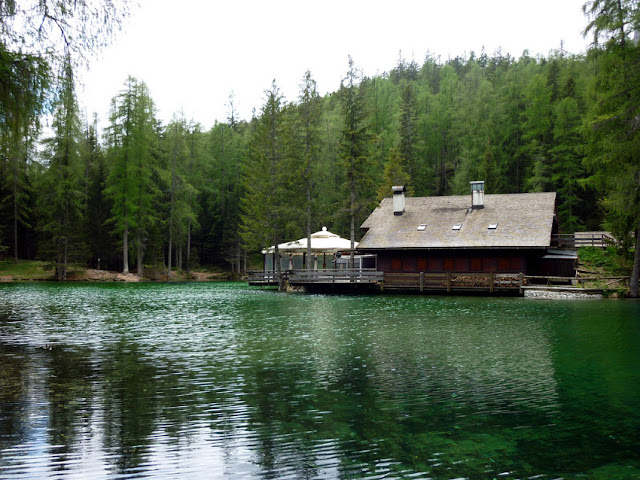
422, 227
493, 226
457, 226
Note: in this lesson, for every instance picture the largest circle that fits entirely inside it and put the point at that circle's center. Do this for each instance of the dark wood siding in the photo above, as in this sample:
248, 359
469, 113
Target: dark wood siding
458, 261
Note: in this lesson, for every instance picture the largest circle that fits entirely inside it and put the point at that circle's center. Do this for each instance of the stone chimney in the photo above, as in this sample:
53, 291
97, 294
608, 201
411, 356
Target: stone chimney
398, 199
477, 194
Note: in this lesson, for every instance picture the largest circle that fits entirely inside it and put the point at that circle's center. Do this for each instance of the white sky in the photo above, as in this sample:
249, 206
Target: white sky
192, 54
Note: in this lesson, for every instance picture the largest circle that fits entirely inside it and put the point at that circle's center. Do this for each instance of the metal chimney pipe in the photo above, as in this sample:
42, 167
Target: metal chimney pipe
477, 194
398, 199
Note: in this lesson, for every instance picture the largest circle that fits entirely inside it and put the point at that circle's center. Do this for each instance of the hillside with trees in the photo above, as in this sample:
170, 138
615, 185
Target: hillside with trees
180, 196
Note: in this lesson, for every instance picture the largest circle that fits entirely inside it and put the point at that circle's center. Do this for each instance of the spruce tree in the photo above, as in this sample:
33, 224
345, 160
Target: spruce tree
266, 181
309, 111
61, 193
354, 153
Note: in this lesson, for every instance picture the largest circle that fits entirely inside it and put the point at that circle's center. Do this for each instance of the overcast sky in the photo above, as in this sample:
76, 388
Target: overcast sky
192, 54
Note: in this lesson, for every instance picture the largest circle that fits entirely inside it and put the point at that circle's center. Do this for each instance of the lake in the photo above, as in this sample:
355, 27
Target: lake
218, 380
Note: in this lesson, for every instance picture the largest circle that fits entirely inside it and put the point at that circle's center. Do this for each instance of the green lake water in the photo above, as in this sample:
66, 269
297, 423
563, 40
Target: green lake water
222, 381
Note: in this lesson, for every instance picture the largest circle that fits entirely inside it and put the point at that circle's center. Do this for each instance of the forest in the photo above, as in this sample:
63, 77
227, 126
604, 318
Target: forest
143, 194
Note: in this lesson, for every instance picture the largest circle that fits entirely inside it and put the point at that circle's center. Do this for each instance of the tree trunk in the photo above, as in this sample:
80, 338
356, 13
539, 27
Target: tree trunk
59, 260
169, 252
65, 257
125, 250
278, 267
140, 263
309, 262
636, 267
15, 211
189, 247
353, 235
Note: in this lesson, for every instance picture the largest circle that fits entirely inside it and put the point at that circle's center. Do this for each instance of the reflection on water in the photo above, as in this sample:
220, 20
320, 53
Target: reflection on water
216, 380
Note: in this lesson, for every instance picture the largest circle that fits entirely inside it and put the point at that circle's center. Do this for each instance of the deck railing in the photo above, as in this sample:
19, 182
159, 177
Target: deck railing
577, 240
451, 281
363, 275
266, 277
324, 276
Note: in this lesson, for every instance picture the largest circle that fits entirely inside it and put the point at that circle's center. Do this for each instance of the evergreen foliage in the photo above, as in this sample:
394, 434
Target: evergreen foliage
179, 195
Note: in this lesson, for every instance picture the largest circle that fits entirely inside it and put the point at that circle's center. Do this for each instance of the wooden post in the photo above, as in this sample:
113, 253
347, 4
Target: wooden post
492, 281
448, 282
521, 283
421, 282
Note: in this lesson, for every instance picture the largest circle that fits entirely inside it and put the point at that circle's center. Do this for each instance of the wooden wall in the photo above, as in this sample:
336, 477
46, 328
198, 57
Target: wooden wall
453, 261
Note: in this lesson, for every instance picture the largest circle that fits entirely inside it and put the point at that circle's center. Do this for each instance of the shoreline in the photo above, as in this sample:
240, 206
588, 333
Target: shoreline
108, 276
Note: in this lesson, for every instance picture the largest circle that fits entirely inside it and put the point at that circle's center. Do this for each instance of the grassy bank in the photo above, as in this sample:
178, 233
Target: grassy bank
607, 264
34, 270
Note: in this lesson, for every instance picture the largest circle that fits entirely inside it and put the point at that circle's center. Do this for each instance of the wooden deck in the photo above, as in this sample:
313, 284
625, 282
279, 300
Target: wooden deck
422, 282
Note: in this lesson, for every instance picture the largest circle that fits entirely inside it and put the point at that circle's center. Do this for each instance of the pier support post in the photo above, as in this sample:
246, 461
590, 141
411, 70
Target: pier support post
521, 282
421, 282
448, 282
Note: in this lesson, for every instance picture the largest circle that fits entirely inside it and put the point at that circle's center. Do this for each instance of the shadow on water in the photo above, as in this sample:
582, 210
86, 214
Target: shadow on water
217, 380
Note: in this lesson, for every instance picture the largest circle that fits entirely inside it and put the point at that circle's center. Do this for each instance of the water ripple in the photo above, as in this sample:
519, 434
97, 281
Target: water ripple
221, 381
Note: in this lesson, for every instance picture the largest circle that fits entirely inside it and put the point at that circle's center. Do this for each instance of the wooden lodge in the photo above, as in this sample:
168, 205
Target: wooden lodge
455, 244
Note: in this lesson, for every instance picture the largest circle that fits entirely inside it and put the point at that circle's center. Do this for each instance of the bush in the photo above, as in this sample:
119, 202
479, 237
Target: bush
611, 260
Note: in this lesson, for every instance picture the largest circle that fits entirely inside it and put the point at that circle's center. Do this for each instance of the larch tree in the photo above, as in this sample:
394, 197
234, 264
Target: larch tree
615, 117
131, 139
25, 82
394, 174
408, 130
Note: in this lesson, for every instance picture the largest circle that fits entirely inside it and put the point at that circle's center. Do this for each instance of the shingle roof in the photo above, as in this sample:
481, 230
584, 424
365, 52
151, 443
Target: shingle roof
524, 220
